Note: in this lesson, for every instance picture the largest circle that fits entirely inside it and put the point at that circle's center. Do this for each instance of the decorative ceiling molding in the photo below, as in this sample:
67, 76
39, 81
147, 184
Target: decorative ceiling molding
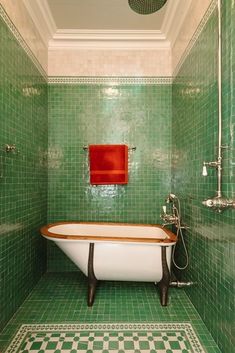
107, 39
195, 36
4, 16
174, 18
40, 14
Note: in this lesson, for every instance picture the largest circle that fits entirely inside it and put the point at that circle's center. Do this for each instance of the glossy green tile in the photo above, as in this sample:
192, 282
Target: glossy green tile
79, 115
210, 238
61, 298
141, 116
23, 173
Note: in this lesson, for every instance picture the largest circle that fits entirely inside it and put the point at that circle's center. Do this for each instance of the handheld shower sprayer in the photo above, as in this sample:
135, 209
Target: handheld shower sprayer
174, 218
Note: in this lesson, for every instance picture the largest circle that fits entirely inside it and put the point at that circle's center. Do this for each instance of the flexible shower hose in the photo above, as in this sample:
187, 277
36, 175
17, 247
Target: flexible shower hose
179, 234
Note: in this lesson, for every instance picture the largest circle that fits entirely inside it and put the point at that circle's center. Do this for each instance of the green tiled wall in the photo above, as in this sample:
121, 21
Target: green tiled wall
138, 115
210, 239
23, 175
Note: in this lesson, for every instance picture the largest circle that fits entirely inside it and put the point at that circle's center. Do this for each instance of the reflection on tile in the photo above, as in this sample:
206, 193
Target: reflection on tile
82, 114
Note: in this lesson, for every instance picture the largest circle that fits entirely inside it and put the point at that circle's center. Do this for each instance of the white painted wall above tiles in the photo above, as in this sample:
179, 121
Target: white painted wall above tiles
109, 62
159, 56
76, 52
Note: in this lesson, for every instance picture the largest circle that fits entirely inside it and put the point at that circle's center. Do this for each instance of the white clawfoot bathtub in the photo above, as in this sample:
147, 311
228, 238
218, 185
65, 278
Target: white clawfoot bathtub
124, 252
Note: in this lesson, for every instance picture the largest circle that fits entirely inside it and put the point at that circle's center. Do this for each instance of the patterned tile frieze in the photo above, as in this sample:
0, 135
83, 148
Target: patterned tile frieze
110, 80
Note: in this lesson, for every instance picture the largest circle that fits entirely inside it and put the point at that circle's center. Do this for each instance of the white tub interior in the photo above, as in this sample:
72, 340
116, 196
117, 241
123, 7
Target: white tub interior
109, 231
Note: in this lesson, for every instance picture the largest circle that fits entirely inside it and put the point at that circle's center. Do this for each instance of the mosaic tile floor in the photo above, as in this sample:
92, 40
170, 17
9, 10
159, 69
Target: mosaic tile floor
60, 298
105, 338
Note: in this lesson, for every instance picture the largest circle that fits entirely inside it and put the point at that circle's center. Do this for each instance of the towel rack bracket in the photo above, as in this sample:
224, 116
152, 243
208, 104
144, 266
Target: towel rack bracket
85, 148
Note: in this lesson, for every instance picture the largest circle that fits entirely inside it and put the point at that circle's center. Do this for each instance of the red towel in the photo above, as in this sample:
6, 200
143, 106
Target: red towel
108, 164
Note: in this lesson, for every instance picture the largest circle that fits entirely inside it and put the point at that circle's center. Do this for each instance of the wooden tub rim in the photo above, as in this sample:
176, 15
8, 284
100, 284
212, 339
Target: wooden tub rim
172, 238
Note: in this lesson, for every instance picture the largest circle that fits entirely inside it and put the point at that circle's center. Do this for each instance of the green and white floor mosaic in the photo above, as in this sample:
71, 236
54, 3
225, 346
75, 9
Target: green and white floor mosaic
106, 338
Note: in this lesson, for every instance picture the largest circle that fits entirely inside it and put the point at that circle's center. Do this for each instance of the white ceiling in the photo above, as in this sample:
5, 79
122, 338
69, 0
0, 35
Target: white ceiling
102, 15
105, 24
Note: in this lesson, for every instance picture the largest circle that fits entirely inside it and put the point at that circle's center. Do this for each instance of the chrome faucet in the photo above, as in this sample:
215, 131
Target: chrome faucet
173, 218
169, 219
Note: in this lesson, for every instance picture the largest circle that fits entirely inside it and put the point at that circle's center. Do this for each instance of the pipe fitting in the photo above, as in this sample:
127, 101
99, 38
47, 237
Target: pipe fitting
180, 284
169, 218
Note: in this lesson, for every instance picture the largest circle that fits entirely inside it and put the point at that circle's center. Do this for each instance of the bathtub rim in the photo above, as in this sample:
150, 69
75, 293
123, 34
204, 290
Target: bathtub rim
171, 240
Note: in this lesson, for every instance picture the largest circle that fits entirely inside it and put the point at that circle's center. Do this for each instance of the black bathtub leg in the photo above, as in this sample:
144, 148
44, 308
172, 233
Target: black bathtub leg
92, 280
165, 281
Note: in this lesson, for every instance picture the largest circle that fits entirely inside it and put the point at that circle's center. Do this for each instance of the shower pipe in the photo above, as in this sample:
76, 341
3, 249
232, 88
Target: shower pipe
218, 202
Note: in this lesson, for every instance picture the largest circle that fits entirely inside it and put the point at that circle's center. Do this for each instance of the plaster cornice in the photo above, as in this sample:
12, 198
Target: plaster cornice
56, 38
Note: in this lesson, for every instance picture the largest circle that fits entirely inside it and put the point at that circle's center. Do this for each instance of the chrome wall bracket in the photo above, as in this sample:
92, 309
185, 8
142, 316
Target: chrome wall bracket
214, 164
85, 148
10, 148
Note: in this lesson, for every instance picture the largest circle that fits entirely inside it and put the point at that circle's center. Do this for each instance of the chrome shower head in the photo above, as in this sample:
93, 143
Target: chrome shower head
146, 7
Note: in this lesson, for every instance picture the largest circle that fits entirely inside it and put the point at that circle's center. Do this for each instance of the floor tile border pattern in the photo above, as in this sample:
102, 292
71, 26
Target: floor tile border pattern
27, 329
21, 41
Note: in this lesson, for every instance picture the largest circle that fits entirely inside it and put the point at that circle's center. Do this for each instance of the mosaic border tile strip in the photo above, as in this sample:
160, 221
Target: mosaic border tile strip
21, 41
195, 36
109, 80
105, 338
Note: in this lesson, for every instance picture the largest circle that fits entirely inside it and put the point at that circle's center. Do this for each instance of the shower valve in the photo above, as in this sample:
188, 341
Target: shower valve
10, 148
219, 204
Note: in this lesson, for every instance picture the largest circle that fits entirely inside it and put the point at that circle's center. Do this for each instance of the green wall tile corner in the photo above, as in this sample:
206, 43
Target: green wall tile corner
23, 175
210, 239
